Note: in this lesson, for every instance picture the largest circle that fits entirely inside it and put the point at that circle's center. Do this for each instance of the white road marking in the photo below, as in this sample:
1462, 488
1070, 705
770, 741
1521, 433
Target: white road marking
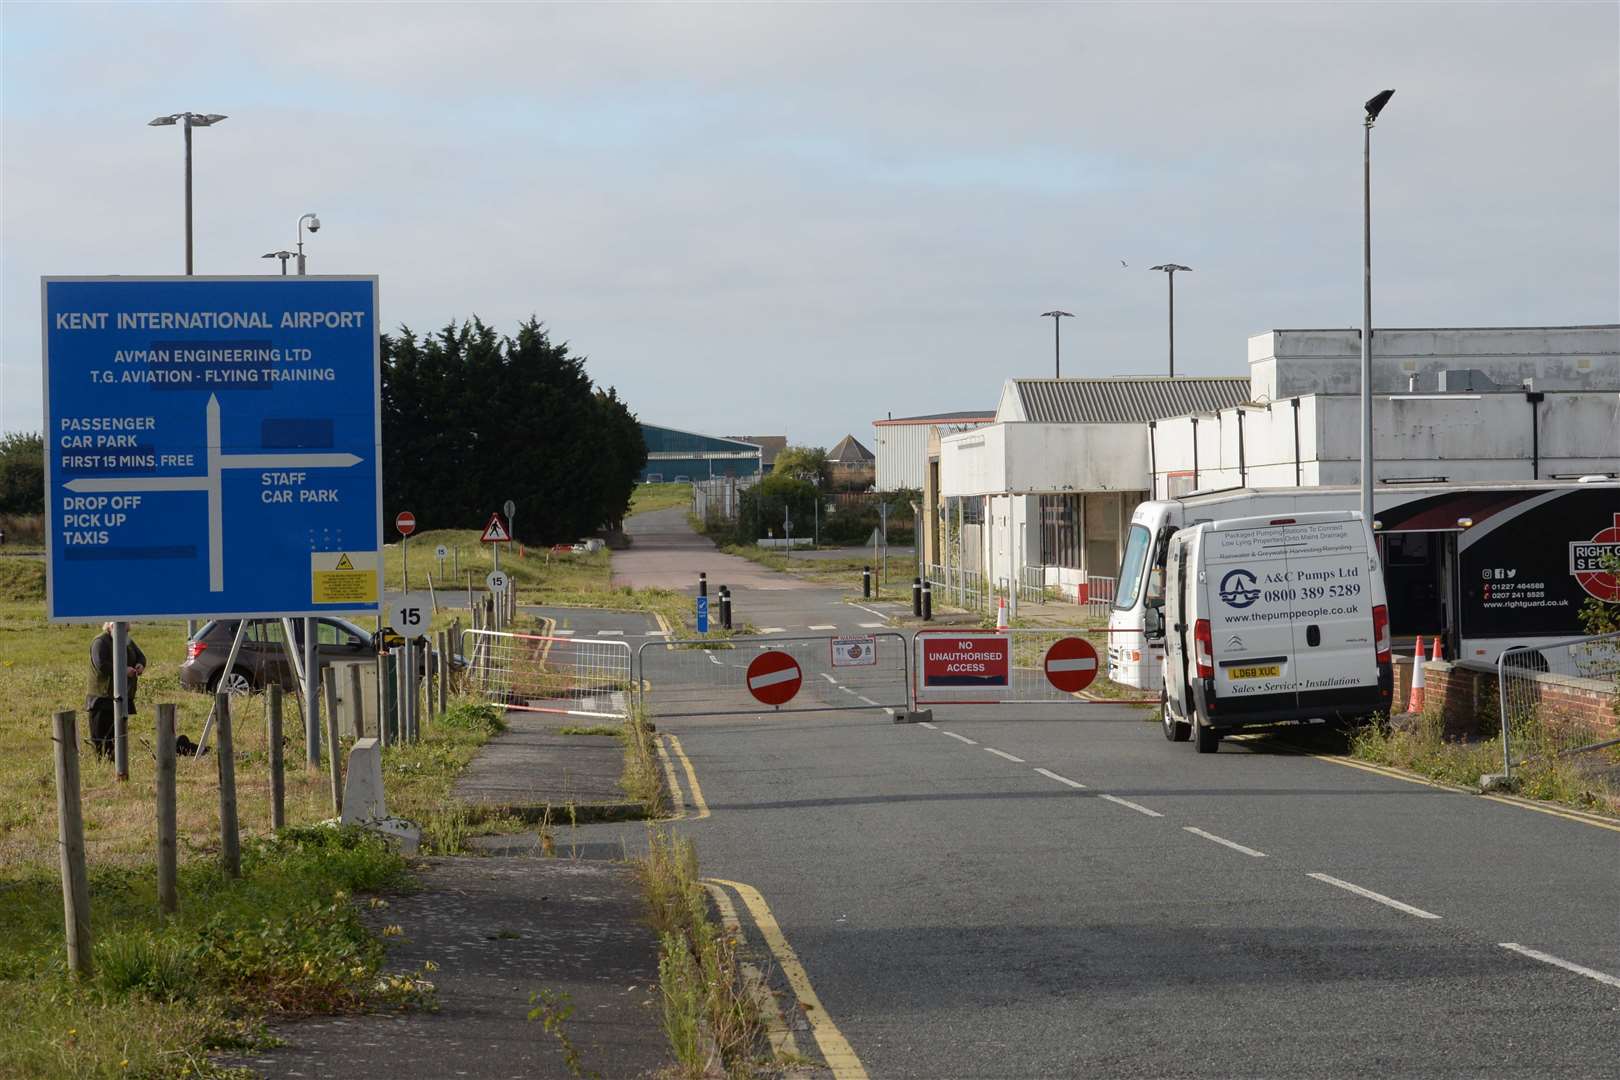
846, 689
869, 611
1548, 958
774, 630
954, 735
869, 701
1224, 842
1370, 895
822, 626
713, 659
611, 633
771, 678
1003, 754
1138, 807
873, 625
657, 633
1050, 775
927, 725
564, 633
829, 678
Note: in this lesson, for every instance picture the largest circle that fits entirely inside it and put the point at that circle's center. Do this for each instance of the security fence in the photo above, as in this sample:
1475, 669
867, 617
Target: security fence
1057, 665
1562, 701
776, 673
535, 673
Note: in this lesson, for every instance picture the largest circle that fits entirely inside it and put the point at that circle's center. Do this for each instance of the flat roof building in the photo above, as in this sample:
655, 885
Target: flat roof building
900, 444
673, 454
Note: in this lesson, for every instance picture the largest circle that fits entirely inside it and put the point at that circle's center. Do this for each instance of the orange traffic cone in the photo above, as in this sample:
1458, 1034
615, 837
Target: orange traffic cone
1001, 615
1439, 653
1414, 703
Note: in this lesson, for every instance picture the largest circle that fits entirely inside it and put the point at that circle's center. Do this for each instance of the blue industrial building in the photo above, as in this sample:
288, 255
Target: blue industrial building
685, 455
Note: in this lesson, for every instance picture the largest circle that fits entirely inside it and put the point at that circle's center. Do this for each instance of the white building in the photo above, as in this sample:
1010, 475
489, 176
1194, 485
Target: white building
1454, 405
900, 444
1042, 496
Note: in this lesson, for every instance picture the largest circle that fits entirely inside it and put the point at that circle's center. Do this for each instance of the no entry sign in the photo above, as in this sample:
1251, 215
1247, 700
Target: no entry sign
774, 677
966, 660
1071, 664
405, 523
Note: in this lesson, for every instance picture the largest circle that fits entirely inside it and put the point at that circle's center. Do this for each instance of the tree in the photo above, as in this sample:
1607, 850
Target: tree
761, 509
22, 474
472, 418
807, 463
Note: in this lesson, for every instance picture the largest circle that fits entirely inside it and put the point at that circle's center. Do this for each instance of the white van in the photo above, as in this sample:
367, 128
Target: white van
1273, 620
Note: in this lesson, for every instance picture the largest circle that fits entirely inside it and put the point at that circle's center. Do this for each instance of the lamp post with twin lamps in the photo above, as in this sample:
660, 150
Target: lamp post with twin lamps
1057, 318
1170, 272
187, 120
1374, 106
282, 255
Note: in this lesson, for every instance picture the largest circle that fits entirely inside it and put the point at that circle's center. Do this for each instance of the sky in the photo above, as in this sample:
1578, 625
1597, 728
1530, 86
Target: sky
798, 218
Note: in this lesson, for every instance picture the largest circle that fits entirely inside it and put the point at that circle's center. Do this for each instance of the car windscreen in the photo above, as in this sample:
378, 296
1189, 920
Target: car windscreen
1131, 567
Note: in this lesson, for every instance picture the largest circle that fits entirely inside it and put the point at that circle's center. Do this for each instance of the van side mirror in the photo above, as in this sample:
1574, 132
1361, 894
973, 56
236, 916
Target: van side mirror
1153, 621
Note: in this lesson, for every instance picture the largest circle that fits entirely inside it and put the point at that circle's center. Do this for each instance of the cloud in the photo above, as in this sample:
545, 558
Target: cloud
796, 218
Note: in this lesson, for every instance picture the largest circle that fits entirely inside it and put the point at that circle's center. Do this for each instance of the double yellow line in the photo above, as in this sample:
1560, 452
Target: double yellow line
700, 807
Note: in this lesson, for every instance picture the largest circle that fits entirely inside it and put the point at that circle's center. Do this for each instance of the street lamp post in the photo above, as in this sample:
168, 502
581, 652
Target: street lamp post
314, 227
1170, 272
1057, 318
282, 255
187, 120
1374, 106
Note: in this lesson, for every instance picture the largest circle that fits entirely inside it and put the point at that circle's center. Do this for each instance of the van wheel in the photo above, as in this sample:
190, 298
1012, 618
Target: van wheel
1206, 738
1175, 730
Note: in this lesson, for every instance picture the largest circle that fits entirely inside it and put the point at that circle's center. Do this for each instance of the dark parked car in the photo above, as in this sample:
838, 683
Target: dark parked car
263, 657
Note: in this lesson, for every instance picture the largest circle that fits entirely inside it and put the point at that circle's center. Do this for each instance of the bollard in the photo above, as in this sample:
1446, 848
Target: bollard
927, 602
278, 764
916, 596
703, 583
230, 838
168, 859
866, 583
725, 606
70, 843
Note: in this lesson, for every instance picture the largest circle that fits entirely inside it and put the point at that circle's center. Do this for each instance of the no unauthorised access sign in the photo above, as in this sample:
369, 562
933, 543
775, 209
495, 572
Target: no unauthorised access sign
774, 677
1071, 664
966, 660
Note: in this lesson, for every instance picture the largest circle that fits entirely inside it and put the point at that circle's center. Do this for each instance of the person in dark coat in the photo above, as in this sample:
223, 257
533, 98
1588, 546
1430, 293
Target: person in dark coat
98, 700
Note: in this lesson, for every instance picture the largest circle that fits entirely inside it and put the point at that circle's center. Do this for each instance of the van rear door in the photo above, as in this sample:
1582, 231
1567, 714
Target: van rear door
1333, 597
1246, 563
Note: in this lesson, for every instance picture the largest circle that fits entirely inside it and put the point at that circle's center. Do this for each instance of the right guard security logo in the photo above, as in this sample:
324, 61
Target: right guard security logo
1588, 563
1239, 589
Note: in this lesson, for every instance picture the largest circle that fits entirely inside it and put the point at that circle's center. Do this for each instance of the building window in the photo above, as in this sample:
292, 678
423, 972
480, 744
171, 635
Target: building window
1060, 540
1102, 534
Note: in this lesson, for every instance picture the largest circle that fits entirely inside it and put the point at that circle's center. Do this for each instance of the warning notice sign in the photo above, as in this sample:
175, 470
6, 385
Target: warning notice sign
343, 577
966, 660
854, 651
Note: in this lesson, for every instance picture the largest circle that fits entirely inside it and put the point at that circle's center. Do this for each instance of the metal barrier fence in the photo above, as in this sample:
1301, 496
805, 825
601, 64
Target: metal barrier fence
1560, 701
1045, 666
535, 673
718, 677
1032, 586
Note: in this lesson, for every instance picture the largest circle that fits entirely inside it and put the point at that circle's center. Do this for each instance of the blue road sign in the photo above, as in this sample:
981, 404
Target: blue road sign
703, 614
212, 447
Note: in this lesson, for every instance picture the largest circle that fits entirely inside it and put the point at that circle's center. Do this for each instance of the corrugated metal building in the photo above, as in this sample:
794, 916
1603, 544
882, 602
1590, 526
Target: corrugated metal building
673, 454
901, 444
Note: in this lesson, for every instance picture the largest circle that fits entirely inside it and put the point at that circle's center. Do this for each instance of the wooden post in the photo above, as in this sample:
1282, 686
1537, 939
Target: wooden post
278, 765
359, 701
70, 841
432, 648
334, 748
230, 839
168, 860
444, 671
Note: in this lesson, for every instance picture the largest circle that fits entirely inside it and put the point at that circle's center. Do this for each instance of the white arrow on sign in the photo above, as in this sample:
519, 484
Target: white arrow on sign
218, 461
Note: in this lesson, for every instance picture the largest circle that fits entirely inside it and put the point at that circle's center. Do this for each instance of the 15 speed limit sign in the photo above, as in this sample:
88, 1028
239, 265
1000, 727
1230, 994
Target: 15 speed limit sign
497, 581
409, 618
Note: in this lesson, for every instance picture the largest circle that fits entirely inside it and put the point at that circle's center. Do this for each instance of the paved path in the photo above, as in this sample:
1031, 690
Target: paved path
666, 554
500, 929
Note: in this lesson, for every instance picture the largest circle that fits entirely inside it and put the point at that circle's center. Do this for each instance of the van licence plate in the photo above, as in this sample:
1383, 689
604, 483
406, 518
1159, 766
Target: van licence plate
1259, 671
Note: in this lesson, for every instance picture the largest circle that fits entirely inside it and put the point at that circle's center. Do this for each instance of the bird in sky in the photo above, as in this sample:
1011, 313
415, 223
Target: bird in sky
1123, 263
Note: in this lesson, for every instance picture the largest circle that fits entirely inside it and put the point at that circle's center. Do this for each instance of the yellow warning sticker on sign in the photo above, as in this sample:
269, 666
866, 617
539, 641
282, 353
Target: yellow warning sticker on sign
341, 577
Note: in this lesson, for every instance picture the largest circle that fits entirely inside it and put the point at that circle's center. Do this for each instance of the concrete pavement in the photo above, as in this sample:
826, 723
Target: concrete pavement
1045, 891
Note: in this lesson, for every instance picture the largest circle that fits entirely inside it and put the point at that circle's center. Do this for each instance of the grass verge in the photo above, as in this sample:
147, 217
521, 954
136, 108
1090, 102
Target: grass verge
713, 1025
284, 939
1418, 744
649, 497
643, 779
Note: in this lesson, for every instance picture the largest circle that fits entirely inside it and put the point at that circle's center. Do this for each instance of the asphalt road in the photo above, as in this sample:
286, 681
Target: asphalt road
1046, 891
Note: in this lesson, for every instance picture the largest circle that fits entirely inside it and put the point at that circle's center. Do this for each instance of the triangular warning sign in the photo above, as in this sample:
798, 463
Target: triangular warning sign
343, 563
495, 532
